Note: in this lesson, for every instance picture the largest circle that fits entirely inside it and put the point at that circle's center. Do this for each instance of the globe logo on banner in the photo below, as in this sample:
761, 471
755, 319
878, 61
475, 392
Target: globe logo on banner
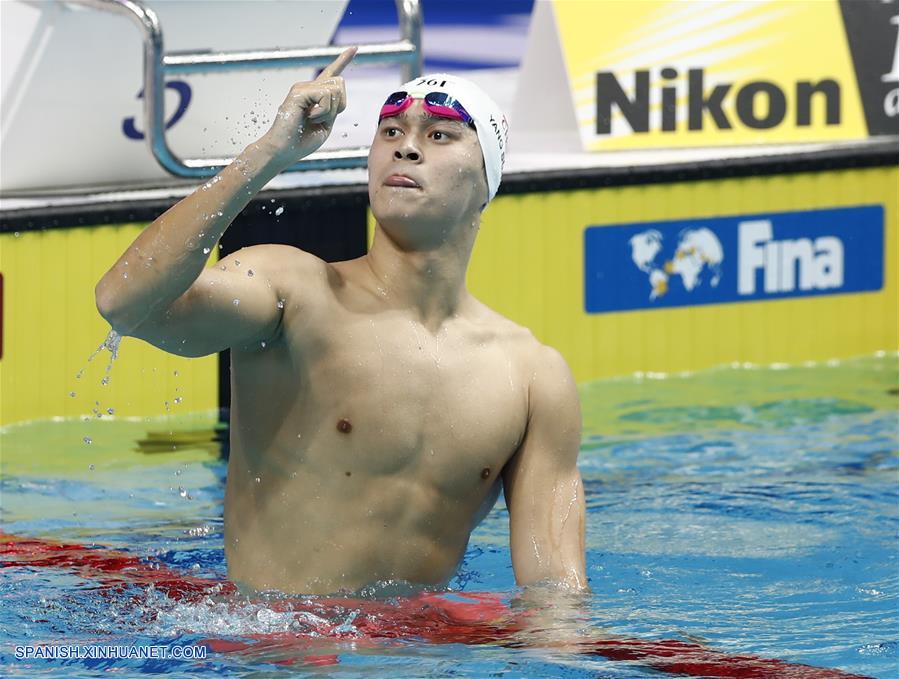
698, 252
723, 260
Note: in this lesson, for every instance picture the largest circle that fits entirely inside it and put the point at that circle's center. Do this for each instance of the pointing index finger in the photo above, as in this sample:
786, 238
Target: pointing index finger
336, 67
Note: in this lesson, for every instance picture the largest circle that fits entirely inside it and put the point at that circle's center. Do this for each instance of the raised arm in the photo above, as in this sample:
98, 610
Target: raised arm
159, 289
542, 484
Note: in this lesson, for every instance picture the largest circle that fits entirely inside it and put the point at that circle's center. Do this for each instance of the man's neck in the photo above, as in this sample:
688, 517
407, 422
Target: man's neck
430, 282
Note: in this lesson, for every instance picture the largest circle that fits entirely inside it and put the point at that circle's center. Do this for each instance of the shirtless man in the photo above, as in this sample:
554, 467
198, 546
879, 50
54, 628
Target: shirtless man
377, 407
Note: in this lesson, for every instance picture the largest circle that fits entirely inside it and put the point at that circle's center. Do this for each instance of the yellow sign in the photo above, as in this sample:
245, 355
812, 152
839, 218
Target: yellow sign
660, 73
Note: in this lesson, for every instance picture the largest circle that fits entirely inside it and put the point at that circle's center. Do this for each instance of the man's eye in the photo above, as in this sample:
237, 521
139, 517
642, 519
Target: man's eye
440, 135
391, 131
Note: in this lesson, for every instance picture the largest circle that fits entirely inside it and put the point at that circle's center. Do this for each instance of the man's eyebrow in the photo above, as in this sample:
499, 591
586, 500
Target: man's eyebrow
425, 116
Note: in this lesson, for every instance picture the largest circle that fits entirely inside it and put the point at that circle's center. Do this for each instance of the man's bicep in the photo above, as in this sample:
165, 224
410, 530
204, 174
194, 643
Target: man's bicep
543, 487
235, 303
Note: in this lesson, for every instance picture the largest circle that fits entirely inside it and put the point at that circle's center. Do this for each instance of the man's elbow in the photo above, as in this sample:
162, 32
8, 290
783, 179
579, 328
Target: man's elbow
111, 310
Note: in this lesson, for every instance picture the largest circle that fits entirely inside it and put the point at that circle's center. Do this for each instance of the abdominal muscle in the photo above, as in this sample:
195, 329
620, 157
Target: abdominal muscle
305, 535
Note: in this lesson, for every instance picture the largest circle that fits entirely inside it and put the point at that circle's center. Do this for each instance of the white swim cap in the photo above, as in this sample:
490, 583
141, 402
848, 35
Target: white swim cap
490, 123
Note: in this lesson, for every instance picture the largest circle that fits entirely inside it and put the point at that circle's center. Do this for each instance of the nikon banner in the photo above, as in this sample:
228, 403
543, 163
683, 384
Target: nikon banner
657, 73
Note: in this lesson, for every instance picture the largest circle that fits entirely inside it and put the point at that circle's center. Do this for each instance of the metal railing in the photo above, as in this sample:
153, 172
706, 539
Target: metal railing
158, 64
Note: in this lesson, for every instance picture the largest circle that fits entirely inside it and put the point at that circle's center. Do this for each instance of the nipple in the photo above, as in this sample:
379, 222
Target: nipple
485, 473
344, 426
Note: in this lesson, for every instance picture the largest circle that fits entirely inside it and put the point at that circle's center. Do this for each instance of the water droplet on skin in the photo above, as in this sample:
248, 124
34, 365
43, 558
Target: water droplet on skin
250, 273
88, 440
258, 480
236, 302
280, 303
236, 262
125, 275
280, 211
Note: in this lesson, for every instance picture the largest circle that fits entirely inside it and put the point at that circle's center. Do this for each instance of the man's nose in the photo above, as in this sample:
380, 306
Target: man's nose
407, 151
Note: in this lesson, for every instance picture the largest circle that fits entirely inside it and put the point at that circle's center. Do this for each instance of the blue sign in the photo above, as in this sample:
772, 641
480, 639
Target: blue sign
745, 258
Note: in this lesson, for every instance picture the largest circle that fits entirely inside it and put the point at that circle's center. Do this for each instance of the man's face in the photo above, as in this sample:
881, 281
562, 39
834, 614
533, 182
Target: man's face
425, 170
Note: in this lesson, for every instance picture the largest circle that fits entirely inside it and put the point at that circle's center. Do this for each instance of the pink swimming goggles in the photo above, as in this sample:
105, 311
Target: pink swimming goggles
436, 103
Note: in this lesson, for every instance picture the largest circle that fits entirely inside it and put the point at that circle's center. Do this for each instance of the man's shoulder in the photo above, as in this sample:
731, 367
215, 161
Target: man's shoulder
276, 256
288, 268
503, 329
520, 340
534, 357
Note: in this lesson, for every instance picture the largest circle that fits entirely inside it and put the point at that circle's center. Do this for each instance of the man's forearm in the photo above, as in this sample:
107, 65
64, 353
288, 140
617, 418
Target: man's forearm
169, 255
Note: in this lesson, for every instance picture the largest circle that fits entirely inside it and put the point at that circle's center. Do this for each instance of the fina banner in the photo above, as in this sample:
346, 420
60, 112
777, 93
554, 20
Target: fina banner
662, 73
733, 259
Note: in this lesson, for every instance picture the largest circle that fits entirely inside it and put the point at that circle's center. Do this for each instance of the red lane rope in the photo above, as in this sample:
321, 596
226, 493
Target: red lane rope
469, 618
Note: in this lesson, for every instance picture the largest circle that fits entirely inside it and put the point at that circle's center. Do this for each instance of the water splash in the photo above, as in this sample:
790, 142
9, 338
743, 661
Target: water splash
112, 342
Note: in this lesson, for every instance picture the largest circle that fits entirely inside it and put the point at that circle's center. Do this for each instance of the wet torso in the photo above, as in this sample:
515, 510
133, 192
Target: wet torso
364, 446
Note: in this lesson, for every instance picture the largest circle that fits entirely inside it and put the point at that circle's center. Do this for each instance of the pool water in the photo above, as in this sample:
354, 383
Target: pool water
750, 510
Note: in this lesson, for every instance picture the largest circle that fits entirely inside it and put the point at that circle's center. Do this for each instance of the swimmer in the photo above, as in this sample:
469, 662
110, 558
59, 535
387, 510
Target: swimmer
378, 408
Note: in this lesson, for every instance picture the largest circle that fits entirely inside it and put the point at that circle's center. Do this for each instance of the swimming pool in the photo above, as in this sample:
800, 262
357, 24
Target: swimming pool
752, 511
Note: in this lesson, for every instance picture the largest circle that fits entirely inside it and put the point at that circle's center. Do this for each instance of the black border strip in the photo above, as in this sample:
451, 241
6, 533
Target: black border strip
867, 155
146, 210
881, 154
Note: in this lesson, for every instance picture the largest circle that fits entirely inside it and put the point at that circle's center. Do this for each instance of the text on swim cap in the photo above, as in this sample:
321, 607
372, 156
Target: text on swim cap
500, 137
432, 82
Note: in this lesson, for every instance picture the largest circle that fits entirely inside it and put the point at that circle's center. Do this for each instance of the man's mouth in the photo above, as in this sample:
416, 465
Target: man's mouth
401, 180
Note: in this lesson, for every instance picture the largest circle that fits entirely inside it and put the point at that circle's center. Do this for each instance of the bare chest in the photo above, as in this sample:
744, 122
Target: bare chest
390, 398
